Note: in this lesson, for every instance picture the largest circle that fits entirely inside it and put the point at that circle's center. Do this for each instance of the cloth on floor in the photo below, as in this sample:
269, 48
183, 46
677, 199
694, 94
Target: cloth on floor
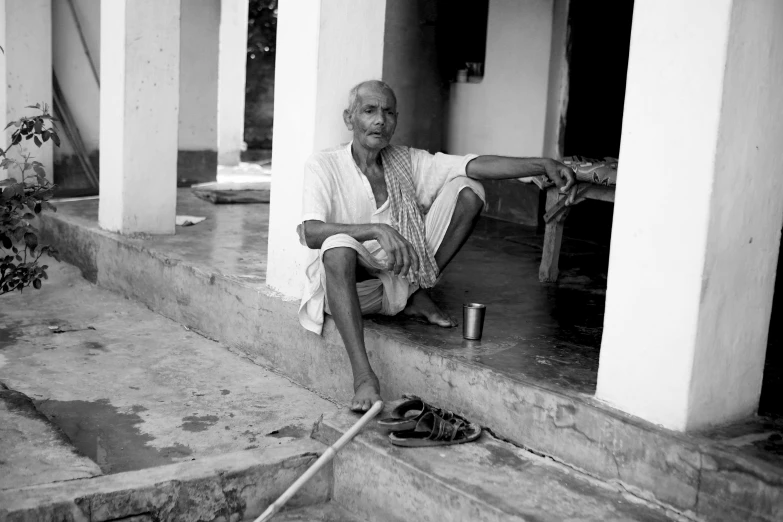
186, 221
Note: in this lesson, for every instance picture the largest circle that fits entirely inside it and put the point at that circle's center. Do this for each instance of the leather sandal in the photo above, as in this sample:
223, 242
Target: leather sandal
433, 430
408, 414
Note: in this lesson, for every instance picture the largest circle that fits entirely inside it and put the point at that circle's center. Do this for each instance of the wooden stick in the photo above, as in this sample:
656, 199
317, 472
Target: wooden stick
318, 464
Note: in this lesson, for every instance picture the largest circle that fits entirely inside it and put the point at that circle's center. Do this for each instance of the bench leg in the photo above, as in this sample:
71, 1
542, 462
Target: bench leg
553, 236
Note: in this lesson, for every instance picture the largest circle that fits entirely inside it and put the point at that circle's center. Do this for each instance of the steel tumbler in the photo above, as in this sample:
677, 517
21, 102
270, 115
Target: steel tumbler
473, 320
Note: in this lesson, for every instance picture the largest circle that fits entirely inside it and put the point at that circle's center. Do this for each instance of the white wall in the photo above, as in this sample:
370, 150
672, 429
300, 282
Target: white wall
198, 93
232, 68
323, 49
27, 65
410, 66
696, 235
199, 51
72, 67
506, 113
557, 90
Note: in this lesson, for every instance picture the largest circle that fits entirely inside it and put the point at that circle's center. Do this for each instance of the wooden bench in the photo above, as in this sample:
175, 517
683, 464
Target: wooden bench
554, 217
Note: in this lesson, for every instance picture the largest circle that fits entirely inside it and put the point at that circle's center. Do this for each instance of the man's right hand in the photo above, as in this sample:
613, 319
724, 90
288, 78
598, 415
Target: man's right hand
401, 256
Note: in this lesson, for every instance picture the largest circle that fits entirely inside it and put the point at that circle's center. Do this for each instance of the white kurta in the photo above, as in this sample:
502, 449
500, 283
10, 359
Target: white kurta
336, 191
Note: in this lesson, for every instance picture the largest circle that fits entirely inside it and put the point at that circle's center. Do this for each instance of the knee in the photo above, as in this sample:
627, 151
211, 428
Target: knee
470, 202
339, 261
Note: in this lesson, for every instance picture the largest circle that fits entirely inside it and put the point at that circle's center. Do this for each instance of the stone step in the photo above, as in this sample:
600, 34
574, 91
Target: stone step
170, 275
32, 449
329, 512
235, 486
486, 480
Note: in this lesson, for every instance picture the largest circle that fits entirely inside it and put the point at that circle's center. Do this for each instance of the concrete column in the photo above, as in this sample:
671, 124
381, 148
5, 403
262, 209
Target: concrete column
231, 80
139, 115
323, 49
698, 215
26, 70
198, 92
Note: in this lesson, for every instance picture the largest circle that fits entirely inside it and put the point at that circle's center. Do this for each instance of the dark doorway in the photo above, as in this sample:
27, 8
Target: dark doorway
598, 45
599, 40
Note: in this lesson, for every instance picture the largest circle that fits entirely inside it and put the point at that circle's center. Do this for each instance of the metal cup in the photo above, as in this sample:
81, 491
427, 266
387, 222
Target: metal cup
473, 320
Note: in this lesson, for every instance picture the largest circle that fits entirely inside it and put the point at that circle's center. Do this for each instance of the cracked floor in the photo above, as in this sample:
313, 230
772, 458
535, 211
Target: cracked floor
133, 390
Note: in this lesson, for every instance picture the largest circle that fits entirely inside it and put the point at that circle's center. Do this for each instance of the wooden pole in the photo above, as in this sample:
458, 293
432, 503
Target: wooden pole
318, 464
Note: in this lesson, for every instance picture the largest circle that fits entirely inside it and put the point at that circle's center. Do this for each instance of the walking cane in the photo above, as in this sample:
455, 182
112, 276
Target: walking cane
318, 464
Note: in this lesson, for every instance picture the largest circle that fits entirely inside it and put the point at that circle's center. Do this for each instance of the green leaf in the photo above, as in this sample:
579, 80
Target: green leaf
31, 240
37, 284
36, 106
38, 125
37, 141
55, 138
45, 135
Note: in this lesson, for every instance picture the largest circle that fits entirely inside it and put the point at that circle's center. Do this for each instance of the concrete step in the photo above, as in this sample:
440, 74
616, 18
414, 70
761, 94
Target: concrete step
486, 480
33, 447
329, 512
179, 278
235, 486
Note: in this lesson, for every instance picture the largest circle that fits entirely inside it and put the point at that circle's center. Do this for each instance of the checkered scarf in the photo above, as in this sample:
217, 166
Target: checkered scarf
406, 217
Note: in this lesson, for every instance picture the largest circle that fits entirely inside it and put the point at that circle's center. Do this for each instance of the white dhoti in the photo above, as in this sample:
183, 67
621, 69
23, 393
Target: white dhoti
385, 293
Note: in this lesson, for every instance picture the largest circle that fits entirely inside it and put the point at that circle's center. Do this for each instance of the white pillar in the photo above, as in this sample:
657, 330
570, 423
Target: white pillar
198, 92
139, 113
323, 49
698, 215
26, 70
231, 80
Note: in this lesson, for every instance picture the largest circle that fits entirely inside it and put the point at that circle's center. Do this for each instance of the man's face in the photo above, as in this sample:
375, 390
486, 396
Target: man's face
375, 118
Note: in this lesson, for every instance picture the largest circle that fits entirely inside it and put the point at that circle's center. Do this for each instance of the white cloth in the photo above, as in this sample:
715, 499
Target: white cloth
336, 191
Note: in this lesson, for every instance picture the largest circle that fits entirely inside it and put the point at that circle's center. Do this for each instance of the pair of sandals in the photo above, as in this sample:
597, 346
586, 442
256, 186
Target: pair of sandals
414, 423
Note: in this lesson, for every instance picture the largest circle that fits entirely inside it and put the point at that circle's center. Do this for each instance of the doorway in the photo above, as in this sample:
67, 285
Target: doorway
598, 45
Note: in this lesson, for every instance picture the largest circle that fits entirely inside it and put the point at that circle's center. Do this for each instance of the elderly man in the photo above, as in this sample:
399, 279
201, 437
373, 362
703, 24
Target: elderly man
383, 221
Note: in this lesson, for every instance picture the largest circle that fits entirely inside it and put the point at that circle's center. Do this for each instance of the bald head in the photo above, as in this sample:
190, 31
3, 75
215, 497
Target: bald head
371, 115
354, 98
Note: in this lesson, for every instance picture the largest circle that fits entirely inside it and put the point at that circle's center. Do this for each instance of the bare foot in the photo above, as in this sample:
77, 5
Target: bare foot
421, 304
367, 390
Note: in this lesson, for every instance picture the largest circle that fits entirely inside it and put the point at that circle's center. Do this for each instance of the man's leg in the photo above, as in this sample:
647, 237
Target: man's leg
340, 267
464, 218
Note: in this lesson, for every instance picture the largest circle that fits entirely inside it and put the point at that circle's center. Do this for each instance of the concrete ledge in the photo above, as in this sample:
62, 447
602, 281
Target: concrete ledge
235, 486
487, 480
691, 473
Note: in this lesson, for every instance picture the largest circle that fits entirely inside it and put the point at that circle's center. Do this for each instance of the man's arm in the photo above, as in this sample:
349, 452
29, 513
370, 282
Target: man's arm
502, 167
401, 256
